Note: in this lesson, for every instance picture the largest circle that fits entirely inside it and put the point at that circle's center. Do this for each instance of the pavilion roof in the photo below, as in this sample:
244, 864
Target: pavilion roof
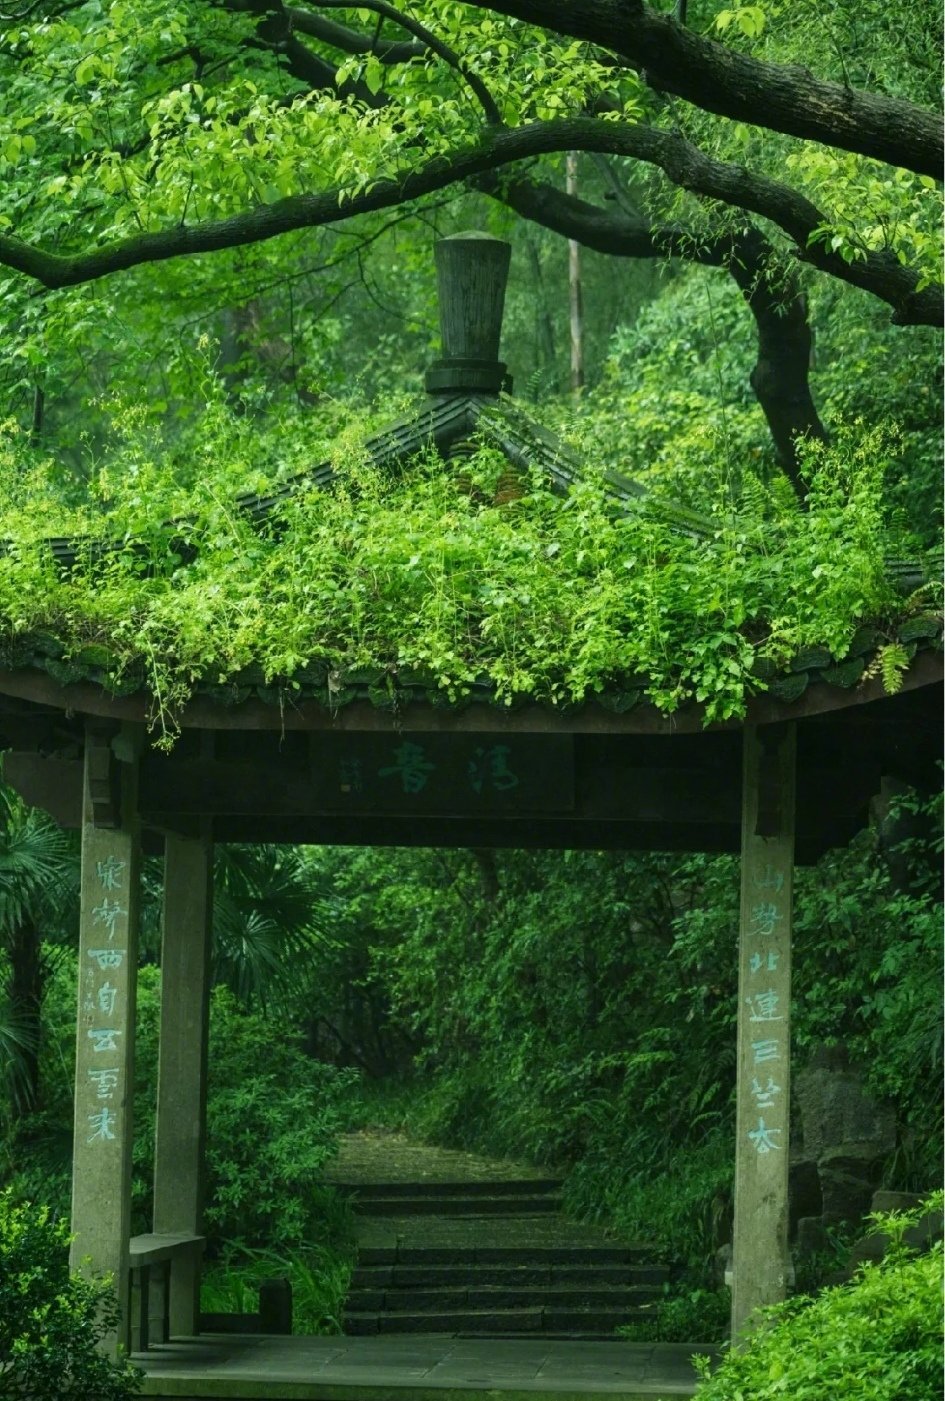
464, 411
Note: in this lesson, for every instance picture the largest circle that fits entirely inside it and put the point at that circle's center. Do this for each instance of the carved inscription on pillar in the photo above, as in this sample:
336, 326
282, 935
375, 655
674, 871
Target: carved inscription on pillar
101, 1183
760, 1255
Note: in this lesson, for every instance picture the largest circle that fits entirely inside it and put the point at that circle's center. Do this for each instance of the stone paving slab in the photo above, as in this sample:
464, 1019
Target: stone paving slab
383, 1156
484, 1233
430, 1368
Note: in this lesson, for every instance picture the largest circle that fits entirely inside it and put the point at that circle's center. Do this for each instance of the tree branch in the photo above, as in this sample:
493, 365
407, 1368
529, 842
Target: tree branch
349, 41
435, 45
780, 376
879, 273
780, 97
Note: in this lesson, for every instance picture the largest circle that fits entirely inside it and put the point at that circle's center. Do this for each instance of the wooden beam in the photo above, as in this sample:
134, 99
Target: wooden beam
53, 784
607, 787
621, 797
447, 832
761, 1262
203, 713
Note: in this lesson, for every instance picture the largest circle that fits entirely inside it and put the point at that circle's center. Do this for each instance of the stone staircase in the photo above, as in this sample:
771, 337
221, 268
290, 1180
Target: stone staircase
489, 1258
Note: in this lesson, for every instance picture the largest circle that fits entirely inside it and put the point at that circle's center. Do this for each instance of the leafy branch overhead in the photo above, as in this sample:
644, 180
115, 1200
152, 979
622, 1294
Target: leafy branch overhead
137, 133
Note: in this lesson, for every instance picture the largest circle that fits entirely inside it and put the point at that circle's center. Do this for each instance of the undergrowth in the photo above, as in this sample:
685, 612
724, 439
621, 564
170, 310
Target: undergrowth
878, 1338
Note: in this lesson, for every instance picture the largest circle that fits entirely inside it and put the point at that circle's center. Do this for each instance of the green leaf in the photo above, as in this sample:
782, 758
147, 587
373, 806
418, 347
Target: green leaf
374, 74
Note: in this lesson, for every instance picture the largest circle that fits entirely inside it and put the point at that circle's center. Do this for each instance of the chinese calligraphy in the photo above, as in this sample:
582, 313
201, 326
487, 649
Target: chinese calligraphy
107, 913
425, 771
764, 1006
350, 776
106, 998
764, 1050
490, 768
764, 1096
103, 996
103, 1038
107, 958
768, 878
109, 872
101, 1123
411, 766
765, 918
105, 1082
763, 1137
767, 1004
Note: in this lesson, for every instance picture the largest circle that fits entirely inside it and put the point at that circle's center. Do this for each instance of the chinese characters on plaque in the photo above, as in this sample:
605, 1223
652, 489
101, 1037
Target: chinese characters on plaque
487, 768
429, 772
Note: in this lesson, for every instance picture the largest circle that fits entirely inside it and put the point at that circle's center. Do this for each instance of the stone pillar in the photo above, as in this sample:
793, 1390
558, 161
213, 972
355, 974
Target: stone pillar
105, 1033
180, 1122
761, 1263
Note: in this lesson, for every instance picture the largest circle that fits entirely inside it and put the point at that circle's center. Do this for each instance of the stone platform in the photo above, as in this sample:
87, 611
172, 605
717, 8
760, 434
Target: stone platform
415, 1368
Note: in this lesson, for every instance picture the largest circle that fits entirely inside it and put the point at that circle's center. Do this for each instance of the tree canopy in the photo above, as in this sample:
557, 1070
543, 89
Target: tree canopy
148, 382
139, 132
134, 134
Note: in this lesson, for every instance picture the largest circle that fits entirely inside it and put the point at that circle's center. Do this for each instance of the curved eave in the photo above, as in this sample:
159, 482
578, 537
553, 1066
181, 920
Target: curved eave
36, 687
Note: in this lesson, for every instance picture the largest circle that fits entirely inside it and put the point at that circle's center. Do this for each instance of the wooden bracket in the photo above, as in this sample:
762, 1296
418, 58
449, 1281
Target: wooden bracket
104, 784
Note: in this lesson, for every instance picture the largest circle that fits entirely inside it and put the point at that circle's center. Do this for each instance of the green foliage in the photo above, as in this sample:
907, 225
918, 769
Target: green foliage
679, 1197
678, 375
549, 598
269, 917
38, 897
878, 1338
51, 1321
273, 1115
686, 1313
319, 1274
579, 1009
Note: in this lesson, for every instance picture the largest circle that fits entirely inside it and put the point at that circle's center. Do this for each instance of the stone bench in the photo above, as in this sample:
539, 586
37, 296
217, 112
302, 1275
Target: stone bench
175, 1258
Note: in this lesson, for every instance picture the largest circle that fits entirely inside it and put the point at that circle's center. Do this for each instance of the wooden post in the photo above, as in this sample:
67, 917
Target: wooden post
761, 1264
180, 1121
105, 1031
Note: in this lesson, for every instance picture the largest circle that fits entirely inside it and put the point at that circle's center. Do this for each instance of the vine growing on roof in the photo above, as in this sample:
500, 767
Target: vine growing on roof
434, 578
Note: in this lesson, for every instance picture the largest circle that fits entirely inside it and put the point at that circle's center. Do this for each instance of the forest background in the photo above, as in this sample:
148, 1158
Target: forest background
760, 317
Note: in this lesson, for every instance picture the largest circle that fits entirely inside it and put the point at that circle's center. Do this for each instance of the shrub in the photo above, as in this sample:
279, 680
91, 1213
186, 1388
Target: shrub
51, 1321
273, 1117
876, 1339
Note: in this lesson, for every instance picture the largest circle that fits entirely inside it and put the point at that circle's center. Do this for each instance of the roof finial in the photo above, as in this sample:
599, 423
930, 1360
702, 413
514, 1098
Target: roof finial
472, 270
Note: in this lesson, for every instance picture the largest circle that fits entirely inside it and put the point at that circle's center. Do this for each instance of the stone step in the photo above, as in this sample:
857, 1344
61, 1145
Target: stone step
500, 1322
444, 1276
456, 1206
460, 1296
540, 1255
514, 1187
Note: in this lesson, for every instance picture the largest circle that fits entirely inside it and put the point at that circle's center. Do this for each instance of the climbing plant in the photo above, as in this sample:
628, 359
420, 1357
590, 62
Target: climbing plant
428, 577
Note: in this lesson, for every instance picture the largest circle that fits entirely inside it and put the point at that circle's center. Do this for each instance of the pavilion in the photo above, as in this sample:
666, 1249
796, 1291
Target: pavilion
792, 780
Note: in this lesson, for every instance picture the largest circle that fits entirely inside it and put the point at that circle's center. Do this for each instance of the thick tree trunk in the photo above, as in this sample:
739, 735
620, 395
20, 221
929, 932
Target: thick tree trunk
780, 377
781, 373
